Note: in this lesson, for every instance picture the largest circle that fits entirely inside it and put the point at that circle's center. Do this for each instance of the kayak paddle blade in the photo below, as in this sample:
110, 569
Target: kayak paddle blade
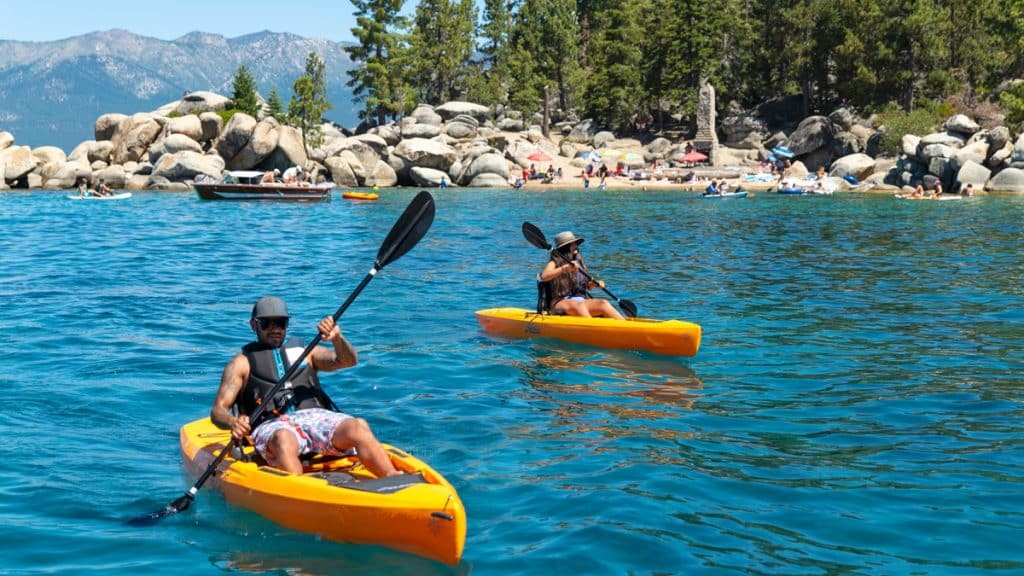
535, 236
628, 308
171, 509
410, 228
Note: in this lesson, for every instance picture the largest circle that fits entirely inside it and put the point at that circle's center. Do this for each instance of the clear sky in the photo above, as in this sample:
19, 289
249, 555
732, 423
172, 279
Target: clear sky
57, 19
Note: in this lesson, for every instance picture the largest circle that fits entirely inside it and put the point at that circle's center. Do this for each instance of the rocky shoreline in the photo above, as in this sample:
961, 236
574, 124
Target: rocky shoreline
468, 145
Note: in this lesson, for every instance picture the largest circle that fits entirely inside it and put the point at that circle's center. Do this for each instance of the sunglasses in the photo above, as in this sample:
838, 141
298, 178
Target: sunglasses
268, 323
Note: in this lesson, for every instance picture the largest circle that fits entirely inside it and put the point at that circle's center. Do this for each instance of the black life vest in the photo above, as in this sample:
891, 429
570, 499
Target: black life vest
266, 366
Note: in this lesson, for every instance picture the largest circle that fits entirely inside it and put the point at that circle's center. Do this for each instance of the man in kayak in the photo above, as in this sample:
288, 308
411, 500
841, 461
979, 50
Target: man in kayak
569, 285
298, 419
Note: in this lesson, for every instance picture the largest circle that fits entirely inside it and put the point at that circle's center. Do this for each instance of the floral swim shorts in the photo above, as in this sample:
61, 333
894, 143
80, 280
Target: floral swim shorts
313, 428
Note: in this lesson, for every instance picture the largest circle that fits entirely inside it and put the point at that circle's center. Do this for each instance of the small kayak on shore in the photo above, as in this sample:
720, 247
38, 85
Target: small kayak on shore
418, 512
349, 195
118, 196
669, 337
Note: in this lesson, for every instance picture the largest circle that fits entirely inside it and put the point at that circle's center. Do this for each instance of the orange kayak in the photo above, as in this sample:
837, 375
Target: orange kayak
670, 337
418, 512
359, 195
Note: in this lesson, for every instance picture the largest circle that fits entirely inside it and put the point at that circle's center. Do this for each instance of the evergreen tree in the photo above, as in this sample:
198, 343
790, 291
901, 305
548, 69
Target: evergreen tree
275, 107
488, 85
546, 52
309, 103
615, 90
377, 78
244, 96
441, 46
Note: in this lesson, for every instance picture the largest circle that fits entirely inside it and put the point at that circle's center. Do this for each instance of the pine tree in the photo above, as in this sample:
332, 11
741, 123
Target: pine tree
275, 108
244, 96
309, 103
377, 79
441, 45
488, 85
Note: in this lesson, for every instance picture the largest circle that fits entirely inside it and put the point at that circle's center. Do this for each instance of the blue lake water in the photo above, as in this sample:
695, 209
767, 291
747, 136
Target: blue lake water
857, 406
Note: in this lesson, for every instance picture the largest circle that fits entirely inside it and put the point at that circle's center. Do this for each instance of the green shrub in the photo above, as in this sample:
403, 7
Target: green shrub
226, 115
925, 119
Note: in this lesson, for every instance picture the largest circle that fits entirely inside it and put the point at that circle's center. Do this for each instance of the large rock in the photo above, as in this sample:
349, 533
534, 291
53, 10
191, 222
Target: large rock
134, 138
426, 153
19, 161
428, 177
1008, 180
51, 159
488, 163
582, 132
190, 126
341, 172
261, 144
972, 173
450, 110
212, 124
975, 152
108, 124
201, 101
488, 180
421, 131
113, 176
186, 165
424, 114
962, 124
859, 166
813, 133
290, 149
67, 175
92, 151
236, 135
172, 145
6, 140
382, 175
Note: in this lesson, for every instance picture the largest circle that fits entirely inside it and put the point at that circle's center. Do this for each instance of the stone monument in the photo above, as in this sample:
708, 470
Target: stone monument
706, 140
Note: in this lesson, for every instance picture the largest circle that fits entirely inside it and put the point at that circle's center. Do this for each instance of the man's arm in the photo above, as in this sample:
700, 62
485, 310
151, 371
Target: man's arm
342, 356
231, 382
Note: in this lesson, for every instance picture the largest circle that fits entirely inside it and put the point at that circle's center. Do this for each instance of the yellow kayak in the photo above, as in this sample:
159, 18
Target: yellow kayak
670, 337
418, 512
359, 195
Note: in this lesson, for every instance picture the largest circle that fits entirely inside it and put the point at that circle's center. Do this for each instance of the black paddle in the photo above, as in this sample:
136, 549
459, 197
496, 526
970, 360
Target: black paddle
407, 231
537, 238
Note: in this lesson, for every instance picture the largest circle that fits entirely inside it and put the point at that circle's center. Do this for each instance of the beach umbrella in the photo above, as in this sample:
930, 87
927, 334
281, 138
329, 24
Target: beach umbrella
783, 151
591, 156
692, 156
609, 152
632, 159
539, 156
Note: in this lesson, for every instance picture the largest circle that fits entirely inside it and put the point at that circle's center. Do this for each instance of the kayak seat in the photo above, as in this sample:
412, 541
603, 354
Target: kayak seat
386, 485
543, 296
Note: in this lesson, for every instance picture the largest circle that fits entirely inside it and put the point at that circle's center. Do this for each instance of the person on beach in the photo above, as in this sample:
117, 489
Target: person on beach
937, 192
918, 191
300, 418
968, 190
568, 283
712, 189
83, 188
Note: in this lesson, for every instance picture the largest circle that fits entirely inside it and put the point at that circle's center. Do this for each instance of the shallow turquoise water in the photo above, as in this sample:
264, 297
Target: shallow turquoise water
855, 408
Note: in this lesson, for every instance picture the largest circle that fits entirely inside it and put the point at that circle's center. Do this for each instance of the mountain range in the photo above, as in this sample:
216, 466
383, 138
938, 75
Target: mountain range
52, 92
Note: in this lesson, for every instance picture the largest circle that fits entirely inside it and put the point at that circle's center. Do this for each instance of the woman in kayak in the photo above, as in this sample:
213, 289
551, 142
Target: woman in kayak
299, 418
569, 285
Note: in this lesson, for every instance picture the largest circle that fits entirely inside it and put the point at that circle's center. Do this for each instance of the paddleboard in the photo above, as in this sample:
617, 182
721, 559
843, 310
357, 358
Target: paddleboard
118, 196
